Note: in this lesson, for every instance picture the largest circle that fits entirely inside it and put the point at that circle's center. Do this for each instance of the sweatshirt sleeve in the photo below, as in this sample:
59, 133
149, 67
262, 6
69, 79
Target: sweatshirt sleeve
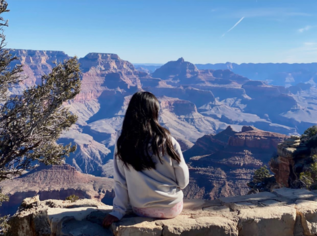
181, 168
121, 200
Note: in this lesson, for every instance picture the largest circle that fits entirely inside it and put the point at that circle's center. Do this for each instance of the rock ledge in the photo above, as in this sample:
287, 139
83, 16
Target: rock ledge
282, 212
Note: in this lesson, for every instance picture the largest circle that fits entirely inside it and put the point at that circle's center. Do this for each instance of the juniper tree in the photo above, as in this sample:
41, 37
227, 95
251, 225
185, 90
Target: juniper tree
31, 123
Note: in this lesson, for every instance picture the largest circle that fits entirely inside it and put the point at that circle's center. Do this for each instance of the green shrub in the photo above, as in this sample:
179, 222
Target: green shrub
4, 226
309, 176
310, 132
3, 220
72, 198
261, 174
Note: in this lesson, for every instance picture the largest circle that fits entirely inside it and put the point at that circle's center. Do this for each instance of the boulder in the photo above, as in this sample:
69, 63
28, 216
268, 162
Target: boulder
268, 221
307, 210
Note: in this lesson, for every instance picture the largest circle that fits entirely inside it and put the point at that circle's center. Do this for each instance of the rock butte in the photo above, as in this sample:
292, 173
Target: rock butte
284, 212
221, 165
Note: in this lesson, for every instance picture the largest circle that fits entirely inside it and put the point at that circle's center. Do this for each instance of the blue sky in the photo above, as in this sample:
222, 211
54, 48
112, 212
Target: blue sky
157, 31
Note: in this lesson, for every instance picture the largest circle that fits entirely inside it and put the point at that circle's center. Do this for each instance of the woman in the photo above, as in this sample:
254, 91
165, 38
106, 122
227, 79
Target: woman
150, 171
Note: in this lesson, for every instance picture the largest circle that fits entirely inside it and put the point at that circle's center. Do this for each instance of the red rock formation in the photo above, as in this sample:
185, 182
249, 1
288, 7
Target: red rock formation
102, 72
196, 96
176, 70
282, 168
186, 72
55, 182
210, 143
251, 137
179, 107
223, 164
293, 157
37, 63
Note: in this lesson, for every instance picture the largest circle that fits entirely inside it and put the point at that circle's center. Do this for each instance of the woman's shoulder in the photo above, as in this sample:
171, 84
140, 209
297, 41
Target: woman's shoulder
174, 142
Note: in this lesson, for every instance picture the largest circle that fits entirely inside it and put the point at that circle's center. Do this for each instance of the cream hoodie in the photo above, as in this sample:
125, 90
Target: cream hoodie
159, 187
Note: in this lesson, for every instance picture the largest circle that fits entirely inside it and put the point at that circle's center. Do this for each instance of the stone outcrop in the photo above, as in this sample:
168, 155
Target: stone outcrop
283, 212
55, 182
210, 143
177, 106
36, 63
251, 137
179, 69
294, 156
221, 165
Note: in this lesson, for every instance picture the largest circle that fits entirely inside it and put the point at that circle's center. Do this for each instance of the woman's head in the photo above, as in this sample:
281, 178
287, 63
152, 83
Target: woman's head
143, 108
142, 134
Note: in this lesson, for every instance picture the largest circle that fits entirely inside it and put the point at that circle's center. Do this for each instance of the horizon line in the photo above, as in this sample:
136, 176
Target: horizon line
162, 63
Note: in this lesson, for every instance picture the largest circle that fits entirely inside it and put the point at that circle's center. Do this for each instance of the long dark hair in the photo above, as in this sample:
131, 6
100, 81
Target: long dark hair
142, 136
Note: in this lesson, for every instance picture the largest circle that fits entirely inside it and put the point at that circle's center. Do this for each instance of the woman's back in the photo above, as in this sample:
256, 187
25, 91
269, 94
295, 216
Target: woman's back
149, 166
159, 187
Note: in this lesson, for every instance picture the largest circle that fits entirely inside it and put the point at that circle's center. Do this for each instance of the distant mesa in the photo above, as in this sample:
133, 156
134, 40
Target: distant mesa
104, 61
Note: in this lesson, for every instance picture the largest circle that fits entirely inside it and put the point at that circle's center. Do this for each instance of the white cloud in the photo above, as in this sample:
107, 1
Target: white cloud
306, 28
235, 25
309, 44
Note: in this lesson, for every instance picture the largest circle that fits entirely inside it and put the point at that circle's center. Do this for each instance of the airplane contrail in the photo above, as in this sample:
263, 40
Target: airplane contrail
235, 25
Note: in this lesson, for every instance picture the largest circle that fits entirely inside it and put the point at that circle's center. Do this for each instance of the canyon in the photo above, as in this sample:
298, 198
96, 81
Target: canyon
227, 125
221, 165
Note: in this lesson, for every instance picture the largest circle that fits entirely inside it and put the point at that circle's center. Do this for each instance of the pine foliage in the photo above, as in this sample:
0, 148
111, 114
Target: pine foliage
31, 123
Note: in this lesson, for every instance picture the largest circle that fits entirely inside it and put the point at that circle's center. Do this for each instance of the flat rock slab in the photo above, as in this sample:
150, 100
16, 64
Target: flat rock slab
267, 221
138, 226
248, 198
294, 194
82, 228
272, 203
184, 225
217, 209
235, 206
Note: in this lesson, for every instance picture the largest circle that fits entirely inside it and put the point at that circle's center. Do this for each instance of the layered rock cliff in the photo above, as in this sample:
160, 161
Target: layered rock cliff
209, 101
223, 164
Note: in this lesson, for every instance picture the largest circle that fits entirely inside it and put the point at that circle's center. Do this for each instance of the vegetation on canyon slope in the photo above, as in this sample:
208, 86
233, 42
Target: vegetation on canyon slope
310, 132
304, 168
72, 198
309, 176
31, 123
